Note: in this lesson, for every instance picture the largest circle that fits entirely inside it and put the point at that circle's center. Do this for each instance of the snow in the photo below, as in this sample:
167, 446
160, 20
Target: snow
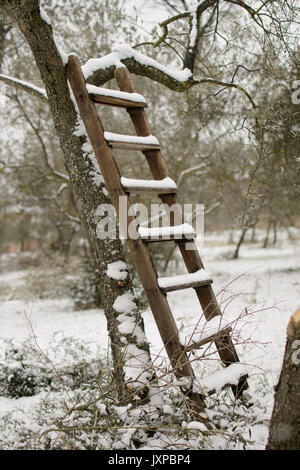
136, 97
117, 270
44, 16
37, 89
123, 52
174, 231
128, 326
64, 56
262, 280
88, 152
166, 182
102, 408
195, 425
113, 137
124, 303
49, 317
156, 396
80, 130
228, 375
296, 306
136, 366
193, 334
136, 361
200, 275
21, 404
193, 33
122, 410
92, 65
265, 281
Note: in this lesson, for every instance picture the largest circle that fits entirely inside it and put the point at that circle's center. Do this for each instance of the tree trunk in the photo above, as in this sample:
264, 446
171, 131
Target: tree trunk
3, 32
239, 244
266, 240
274, 233
285, 422
253, 235
89, 193
2, 44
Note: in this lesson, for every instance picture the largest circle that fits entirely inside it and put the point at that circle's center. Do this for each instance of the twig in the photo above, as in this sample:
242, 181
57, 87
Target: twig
30, 327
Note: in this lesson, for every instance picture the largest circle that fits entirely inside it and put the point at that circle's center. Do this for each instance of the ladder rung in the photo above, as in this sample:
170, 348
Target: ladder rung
184, 281
208, 339
176, 232
227, 377
135, 186
131, 142
154, 287
117, 98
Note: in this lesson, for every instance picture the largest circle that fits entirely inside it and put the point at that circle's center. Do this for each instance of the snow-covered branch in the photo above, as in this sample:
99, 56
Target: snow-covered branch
213, 207
188, 171
124, 52
24, 86
99, 71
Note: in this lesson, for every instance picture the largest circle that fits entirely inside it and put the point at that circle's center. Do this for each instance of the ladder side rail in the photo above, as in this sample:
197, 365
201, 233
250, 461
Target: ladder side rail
191, 256
140, 254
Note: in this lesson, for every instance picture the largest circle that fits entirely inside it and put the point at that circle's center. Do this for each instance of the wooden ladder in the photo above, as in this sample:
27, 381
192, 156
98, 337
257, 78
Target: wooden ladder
155, 288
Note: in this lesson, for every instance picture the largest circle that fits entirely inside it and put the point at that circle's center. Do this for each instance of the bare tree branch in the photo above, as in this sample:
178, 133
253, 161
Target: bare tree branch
164, 26
192, 47
196, 30
173, 7
41, 141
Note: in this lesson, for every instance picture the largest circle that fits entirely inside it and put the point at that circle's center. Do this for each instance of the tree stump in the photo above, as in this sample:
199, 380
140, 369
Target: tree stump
285, 421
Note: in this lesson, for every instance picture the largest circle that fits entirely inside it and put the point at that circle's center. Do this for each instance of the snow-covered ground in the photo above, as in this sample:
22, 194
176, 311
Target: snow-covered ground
264, 281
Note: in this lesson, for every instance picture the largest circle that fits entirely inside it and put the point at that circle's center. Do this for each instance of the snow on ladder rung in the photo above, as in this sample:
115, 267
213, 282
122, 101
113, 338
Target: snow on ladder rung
117, 98
208, 339
131, 142
136, 186
184, 281
176, 232
226, 377
196, 335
